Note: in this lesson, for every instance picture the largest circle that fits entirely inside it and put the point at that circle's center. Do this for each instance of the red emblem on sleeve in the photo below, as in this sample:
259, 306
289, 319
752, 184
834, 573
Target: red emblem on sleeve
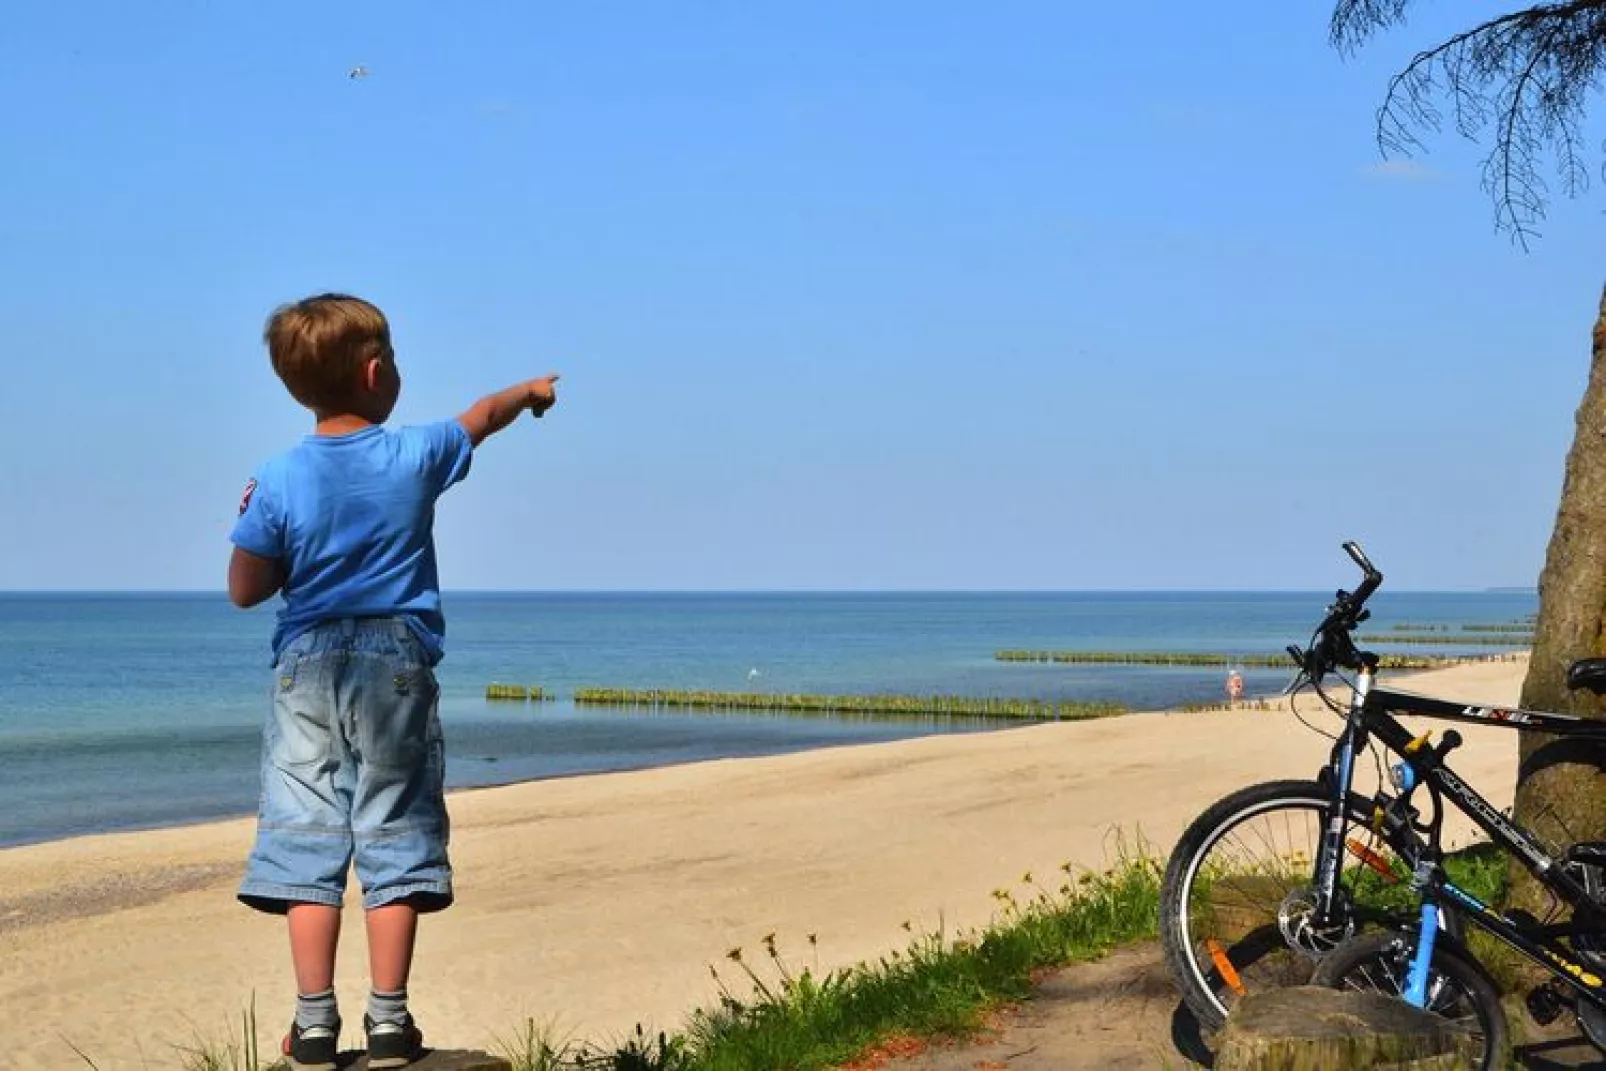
245, 499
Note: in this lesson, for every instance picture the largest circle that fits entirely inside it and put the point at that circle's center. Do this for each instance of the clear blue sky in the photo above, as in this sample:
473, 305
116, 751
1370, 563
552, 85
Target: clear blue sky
845, 295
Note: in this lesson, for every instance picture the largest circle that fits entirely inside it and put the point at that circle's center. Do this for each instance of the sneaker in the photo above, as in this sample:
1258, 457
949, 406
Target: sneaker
393, 1044
312, 1049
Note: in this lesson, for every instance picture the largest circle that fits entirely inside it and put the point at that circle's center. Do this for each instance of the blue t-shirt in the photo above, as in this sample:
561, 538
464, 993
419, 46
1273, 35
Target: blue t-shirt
352, 518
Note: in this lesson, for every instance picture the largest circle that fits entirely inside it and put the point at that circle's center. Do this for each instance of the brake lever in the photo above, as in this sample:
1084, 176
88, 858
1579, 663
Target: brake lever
1301, 674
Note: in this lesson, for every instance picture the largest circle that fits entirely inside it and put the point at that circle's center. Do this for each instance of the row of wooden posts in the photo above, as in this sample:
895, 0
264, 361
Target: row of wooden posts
1246, 661
794, 703
943, 705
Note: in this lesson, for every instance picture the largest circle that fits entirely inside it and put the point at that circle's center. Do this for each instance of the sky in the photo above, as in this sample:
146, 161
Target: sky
937, 295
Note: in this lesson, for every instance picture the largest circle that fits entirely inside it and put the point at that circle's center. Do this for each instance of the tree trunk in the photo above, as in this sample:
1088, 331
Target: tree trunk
1561, 787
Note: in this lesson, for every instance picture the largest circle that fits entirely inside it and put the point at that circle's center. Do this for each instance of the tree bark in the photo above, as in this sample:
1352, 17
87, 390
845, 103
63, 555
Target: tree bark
1561, 786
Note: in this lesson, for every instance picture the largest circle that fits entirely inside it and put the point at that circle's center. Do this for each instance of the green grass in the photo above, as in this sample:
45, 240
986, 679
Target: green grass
773, 1014
939, 986
532, 1048
202, 1054
1479, 870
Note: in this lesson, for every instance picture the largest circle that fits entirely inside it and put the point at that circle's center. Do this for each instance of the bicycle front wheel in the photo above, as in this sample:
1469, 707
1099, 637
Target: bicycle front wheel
1457, 990
1237, 906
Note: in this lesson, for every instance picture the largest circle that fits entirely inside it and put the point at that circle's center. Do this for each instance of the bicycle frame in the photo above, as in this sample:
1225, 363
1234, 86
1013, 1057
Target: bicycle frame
1371, 716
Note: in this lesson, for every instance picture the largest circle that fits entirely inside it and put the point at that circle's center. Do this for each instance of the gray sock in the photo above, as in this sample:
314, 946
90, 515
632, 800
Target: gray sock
387, 1007
317, 1009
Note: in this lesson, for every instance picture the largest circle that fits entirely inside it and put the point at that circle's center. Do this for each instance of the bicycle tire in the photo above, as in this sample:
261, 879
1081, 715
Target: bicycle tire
1380, 961
1210, 978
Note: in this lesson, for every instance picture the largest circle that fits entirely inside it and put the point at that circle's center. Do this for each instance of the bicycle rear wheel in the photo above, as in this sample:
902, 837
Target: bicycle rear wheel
1459, 991
1237, 907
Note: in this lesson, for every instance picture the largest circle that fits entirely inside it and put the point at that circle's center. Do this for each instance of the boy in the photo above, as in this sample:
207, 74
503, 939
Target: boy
352, 761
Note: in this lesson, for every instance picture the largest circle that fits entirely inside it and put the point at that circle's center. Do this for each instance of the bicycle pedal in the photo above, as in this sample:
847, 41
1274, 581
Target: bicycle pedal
1544, 1004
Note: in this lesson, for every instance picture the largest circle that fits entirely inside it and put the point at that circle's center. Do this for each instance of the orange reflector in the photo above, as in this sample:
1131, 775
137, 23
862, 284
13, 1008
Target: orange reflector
1229, 974
1372, 859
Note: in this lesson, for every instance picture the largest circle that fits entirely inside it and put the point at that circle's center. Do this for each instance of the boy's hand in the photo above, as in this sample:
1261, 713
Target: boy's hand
543, 395
496, 411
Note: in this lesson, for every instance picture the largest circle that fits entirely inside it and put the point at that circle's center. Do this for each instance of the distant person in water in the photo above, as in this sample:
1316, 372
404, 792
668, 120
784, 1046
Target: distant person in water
1235, 686
342, 525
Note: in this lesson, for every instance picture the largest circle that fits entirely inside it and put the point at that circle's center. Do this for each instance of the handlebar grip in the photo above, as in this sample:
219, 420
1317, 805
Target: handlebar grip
1372, 579
1358, 556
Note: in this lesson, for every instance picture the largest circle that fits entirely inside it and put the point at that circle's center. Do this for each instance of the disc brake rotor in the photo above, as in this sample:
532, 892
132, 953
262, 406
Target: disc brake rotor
1296, 918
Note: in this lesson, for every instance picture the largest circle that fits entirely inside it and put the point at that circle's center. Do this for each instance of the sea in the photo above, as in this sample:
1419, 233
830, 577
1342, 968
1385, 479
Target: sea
124, 711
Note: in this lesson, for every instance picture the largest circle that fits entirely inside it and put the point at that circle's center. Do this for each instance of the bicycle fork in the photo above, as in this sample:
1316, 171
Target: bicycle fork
1330, 858
1427, 934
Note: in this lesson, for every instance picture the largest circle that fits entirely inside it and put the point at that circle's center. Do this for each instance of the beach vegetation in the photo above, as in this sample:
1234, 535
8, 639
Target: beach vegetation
772, 1015
201, 1053
534, 1047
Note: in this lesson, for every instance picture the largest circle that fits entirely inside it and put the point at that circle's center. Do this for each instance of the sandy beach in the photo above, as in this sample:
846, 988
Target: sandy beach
596, 902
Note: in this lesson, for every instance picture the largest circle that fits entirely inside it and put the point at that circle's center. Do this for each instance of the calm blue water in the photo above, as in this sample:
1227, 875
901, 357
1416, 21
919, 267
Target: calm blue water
123, 711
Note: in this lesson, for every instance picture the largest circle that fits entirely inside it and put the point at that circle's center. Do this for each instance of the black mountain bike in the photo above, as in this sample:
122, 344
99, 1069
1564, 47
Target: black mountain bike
1280, 879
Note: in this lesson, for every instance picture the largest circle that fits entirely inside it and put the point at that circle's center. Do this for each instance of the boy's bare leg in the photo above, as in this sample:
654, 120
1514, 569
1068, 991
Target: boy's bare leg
391, 933
314, 937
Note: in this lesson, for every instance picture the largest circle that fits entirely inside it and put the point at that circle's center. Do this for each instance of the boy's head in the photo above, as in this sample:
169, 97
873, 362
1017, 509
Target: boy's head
333, 353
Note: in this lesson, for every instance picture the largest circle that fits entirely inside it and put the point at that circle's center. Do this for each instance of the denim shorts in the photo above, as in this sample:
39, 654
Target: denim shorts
353, 768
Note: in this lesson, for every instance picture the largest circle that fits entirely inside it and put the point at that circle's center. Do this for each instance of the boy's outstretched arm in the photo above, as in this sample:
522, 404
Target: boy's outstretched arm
496, 411
253, 579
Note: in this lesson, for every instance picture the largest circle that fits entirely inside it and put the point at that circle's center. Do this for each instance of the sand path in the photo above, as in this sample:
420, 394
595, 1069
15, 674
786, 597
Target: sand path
595, 902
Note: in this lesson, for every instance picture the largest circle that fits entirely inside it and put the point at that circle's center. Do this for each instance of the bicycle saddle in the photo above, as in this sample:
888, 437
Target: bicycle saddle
1588, 673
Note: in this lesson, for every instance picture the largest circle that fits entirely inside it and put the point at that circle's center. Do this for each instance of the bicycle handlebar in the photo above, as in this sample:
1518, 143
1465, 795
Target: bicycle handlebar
1332, 647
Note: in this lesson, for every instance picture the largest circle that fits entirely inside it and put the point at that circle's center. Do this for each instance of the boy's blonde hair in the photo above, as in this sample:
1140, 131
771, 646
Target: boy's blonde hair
319, 346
